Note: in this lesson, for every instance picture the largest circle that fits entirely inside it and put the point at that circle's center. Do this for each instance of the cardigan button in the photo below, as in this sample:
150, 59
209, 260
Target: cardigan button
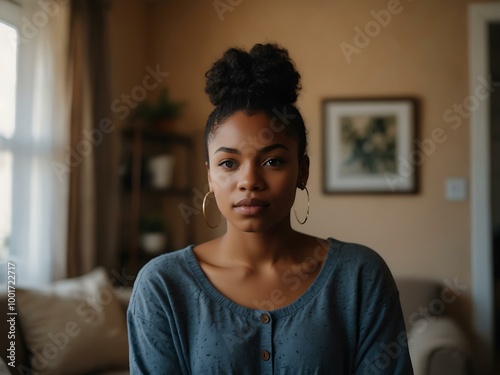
264, 318
265, 355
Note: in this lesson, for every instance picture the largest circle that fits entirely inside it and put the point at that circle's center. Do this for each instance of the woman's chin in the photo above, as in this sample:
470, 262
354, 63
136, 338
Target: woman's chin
256, 225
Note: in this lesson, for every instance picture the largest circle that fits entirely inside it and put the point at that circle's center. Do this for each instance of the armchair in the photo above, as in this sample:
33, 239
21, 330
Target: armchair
438, 342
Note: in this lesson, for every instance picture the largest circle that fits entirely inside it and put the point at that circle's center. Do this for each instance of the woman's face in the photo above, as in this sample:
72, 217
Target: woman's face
254, 171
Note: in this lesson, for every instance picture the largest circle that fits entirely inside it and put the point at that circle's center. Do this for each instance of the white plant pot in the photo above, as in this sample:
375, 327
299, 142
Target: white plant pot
153, 243
162, 171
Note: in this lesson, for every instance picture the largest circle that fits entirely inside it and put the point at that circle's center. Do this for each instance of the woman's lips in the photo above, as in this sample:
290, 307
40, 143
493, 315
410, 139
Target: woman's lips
250, 206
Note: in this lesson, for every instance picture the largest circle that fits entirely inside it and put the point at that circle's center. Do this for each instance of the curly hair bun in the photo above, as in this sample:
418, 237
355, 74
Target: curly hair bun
266, 74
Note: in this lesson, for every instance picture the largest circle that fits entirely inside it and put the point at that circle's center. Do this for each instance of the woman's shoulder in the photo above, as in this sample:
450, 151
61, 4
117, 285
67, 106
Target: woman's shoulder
355, 253
361, 264
168, 264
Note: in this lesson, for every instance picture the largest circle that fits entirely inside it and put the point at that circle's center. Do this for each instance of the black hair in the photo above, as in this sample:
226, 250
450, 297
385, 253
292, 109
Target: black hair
262, 80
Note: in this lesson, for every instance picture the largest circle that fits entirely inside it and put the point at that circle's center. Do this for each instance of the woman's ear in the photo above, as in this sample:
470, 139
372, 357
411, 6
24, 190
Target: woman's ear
303, 172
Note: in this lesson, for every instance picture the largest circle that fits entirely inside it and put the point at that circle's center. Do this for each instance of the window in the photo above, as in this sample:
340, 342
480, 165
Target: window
33, 133
9, 16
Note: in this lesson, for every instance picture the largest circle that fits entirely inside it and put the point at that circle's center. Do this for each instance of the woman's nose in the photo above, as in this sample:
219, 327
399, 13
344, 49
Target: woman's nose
250, 178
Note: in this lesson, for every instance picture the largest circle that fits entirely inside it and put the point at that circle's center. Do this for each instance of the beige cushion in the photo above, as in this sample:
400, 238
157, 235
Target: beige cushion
75, 326
435, 335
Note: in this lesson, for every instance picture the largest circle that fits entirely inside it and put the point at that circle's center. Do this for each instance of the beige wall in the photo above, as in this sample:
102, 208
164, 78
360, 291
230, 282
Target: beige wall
127, 47
421, 52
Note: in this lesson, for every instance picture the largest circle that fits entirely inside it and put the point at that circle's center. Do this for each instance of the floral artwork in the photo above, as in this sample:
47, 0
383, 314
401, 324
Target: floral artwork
367, 146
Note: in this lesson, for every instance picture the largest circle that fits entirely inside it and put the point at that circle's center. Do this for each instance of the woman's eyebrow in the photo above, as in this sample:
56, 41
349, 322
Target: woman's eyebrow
263, 150
272, 147
228, 150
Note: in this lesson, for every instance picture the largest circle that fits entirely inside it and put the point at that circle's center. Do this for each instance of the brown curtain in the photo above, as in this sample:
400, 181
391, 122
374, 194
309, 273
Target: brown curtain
93, 186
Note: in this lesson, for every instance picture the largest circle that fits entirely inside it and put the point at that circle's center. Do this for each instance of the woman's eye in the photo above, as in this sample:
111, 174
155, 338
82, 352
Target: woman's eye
273, 162
228, 164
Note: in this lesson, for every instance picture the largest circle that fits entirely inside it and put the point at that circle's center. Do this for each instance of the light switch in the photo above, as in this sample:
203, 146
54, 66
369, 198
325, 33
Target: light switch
456, 189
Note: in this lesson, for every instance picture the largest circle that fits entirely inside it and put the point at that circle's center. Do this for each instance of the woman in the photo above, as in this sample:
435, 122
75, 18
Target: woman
263, 298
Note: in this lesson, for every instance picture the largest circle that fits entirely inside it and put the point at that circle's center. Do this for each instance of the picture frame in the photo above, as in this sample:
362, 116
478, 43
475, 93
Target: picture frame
369, 145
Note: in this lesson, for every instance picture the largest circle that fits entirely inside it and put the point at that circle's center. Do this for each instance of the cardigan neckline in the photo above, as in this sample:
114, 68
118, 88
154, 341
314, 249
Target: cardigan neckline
313, 289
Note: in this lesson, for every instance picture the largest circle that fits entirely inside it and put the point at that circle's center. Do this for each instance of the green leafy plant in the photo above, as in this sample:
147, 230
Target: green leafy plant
163, 109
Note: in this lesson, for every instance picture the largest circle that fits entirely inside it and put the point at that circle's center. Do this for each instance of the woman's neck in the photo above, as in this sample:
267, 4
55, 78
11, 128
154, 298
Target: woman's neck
262, 249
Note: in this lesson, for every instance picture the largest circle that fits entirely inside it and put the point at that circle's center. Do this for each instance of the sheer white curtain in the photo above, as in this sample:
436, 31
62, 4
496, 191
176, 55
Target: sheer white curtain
39, 194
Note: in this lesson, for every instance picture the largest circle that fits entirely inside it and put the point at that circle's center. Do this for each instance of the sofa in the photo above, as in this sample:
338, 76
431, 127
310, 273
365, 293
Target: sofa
74, 326
78, 326
439, 340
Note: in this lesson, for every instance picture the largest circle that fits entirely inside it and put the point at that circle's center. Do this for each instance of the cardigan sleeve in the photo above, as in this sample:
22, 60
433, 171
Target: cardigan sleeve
383, 343
153, 348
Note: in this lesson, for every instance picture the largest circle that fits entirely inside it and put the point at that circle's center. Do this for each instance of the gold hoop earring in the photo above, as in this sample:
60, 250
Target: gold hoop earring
204, 212
308, 205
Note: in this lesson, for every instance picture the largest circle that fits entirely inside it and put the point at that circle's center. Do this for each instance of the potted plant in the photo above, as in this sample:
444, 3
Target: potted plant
153, 236
159, 115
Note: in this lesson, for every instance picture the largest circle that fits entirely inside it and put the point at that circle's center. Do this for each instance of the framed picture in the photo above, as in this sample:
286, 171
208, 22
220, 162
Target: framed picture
369, 145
